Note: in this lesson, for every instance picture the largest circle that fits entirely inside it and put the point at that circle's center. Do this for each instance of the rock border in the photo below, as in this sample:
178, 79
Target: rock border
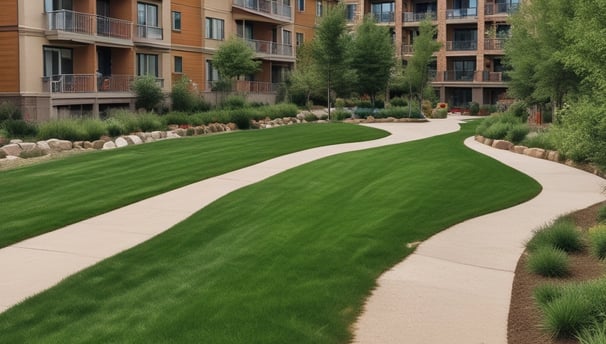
539, 153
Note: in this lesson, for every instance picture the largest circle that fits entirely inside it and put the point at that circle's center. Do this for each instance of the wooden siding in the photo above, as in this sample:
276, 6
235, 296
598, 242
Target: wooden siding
193, 66
9, 15
191, 23
9, 61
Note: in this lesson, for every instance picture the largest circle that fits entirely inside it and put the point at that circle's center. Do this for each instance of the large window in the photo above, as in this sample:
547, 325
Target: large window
215, 28
176, 21
301, 5
464, 70
463, 4
465, 39
350, 12
147, 64
58, 61
244, 29
383, 11
148, 23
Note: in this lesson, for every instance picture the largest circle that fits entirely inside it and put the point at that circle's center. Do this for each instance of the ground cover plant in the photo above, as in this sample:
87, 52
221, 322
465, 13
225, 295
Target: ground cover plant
287, 260
562, 234
40, 198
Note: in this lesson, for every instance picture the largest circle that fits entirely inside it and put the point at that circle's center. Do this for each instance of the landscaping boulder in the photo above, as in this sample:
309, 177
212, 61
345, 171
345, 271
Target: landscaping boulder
3, 140
480, 138
87, 145
120, 142
172, 135
98, 144
109, 145
135, 139
535, 152
16, 141
77, 145
12, 149
519, 149
12, 157
502, 144
156, 135
488, 142
2, 154
553, 156
59, 145
27, 146
370, 119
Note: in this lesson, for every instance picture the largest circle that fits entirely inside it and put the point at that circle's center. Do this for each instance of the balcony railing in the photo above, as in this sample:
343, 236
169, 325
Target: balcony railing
88, 24
417, 17
459, 75
461, 13
115, 83
149, 32
407, 49
243, 86
493, 76
69, 83
494, 43
270, 48
271, 7
492, 8
461, 45
384, 17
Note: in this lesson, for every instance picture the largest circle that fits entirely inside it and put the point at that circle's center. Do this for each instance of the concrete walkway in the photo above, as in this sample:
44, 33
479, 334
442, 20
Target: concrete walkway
33, 265
456, 287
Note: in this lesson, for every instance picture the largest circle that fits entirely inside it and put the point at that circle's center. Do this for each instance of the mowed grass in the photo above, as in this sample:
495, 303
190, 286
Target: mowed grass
40, 198
287, 260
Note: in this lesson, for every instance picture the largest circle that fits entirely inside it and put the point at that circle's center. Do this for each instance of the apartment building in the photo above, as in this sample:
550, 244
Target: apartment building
469, 67
64, 58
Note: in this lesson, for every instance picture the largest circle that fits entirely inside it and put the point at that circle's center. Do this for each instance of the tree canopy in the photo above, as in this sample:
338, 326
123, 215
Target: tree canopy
234, 58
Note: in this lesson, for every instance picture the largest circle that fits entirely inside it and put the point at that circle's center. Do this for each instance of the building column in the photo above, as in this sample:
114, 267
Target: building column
398, 28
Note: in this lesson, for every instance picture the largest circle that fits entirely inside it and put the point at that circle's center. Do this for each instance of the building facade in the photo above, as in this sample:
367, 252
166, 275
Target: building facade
469, 66
65, 58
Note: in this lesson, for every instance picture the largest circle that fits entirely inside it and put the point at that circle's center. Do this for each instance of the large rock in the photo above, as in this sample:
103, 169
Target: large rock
172, 135
535, 152
87, 145
136, 139
78, 144
2, 154
3, 140
519, 149
12, 149
156, 135
488, 141
502, 144
120, 142
98, 144
480, 138
27, 146
16, 141
109, 145
59, 145
553, 156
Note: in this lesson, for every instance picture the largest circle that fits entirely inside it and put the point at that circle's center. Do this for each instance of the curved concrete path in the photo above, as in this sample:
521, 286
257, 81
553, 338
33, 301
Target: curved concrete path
33, 265
456, 287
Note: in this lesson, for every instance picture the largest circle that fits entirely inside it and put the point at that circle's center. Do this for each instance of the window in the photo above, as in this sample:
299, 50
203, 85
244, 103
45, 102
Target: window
178, 64
147, 64
301, 5
212, 74
350, 12
383, 11
58, 61
319, 8
176, 21
286, 37
56, 5
244, 29
464, 4
215, 28
148, 25
300, 39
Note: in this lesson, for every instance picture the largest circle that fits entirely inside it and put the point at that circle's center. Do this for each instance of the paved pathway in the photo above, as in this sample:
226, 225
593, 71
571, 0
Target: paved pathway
456, 287
33, 265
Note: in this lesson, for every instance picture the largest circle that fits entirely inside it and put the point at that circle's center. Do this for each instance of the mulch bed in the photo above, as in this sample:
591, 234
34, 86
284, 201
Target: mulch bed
524, 326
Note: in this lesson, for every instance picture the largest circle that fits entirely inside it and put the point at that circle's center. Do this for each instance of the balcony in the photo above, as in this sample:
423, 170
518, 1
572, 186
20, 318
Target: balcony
500, 9
461, 45
494, 44
459, 75
150, 32
271, 48
91, 25
461, 13
243, 86
410, 17
383, 17
407, 49
266, 7
493, 76
88, 83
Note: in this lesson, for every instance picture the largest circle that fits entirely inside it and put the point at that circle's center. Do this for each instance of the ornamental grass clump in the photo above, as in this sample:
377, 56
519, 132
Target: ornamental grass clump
545, 293
597, 241
595, 334
561, 234
602, 214
548, 261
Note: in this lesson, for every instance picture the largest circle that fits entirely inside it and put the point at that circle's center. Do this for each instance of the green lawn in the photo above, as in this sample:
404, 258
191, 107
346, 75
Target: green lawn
40, 198
287, 260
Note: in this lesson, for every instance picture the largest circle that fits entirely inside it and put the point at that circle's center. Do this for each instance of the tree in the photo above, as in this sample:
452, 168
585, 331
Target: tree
373, 57
234, 58
148, 93
183, 98
417, 70
306, 79
331, 53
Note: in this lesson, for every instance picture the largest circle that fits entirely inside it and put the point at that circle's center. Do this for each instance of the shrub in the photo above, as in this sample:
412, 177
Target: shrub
240, 118
594, 334
568, 314
176, 118
216, 116
148, 92
150, 122
310, 117
545, 293
279, 110
474, 108
517, 132
427, 108
127, 119
562, 234
340, 114
8, 111
398, 102
114, 127
379, 103
440, 113
540, 140
548, 262
497, 131
19, 128
234, 102
201, 105
182, 97
339, 103
365, 104
64, 129
602, 214
399, 112
519, 109
94, 129
361, 112
597, 241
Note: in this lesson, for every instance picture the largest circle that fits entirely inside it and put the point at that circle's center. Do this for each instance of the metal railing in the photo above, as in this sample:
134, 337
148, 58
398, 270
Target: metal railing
150, 32
488, 76
461, 45
494, 43
271, 7
88, 24
242, 86
115, 83
270, 48
459, 75
383, 17
407, 49
417, 17
69, 83
461, 13
492, 8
